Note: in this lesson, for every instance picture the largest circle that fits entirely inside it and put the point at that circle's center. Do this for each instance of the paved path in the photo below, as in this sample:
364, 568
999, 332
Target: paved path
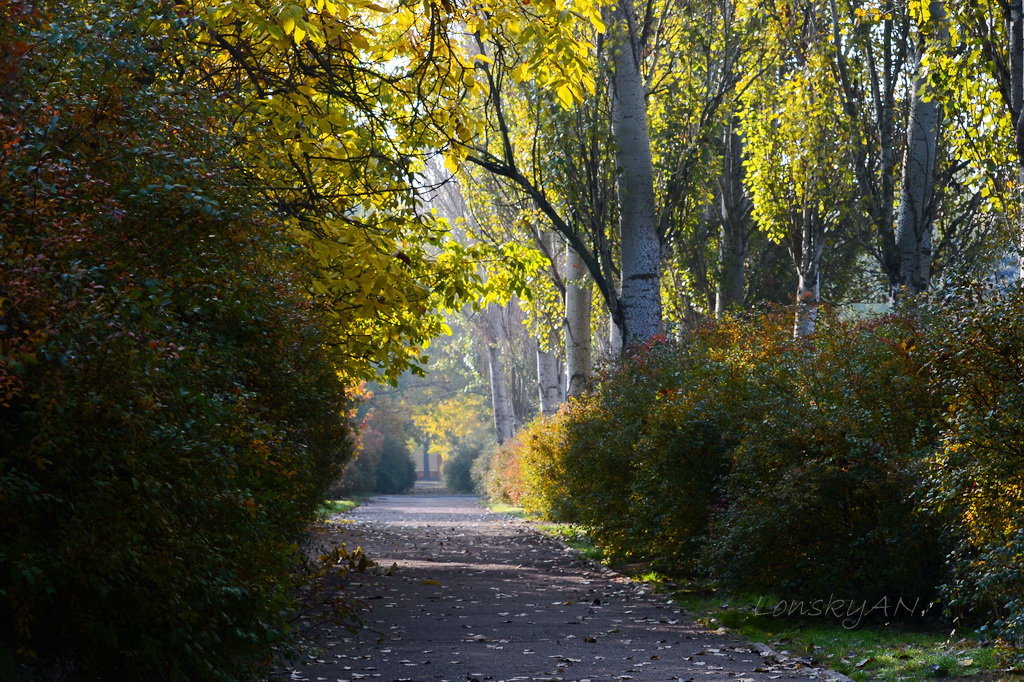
478, 596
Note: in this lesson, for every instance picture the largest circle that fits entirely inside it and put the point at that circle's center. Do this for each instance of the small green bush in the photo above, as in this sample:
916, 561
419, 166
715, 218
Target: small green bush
396, 473
360, 474
540, 460
457, 471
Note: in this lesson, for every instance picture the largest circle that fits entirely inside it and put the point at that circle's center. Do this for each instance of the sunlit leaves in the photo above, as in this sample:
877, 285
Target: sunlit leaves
796, 141
461, 421
339, 106
980, 127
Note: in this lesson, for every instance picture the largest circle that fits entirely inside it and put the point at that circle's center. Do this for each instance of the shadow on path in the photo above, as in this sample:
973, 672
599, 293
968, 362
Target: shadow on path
481, 596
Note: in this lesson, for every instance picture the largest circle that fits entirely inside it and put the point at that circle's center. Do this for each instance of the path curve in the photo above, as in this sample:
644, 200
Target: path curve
480, 596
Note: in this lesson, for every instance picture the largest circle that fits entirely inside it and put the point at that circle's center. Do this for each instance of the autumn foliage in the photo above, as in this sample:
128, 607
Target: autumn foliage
739, 454
975, 474
169, 408
382, 462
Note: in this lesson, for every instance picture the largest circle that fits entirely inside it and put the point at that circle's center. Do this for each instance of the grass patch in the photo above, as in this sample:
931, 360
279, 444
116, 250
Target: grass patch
502, 508
569, 533
865, 652
328, 507
575, 537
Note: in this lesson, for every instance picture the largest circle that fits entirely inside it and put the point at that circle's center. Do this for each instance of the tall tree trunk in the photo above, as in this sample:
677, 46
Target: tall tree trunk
578, 298
549, 378
732, 256
639, 315
613, 345
1015, 79
808, 292
734, 216
501, 404
916, 211
874, 157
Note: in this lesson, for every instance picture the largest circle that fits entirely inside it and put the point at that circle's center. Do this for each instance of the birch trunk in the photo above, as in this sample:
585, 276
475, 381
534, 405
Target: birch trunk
578, 353
501, 404
808, 292
549, 378
916, 211
734, 213
807, 299
732, 255
613, 341
639, 316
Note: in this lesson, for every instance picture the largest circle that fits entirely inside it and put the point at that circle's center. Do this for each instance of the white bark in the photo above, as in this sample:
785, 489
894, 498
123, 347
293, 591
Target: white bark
639, 316
1020, 233
808, 291
615, 344
916, 211
578, 352
807, 299
549, 378
1015, 47
501, 404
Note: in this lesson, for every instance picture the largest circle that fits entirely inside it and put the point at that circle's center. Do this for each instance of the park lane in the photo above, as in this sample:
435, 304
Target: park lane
475, 595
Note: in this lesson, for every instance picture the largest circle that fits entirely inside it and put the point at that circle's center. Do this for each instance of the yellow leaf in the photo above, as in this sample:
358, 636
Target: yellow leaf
564, 96
521, 73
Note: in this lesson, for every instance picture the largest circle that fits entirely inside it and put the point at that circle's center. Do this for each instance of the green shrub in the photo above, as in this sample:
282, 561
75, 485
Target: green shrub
790, 467
540, 463
822, 497
396, 473
977, 345
382, 461
689, 432
169, 410
638, 459
457, 471
360, 474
